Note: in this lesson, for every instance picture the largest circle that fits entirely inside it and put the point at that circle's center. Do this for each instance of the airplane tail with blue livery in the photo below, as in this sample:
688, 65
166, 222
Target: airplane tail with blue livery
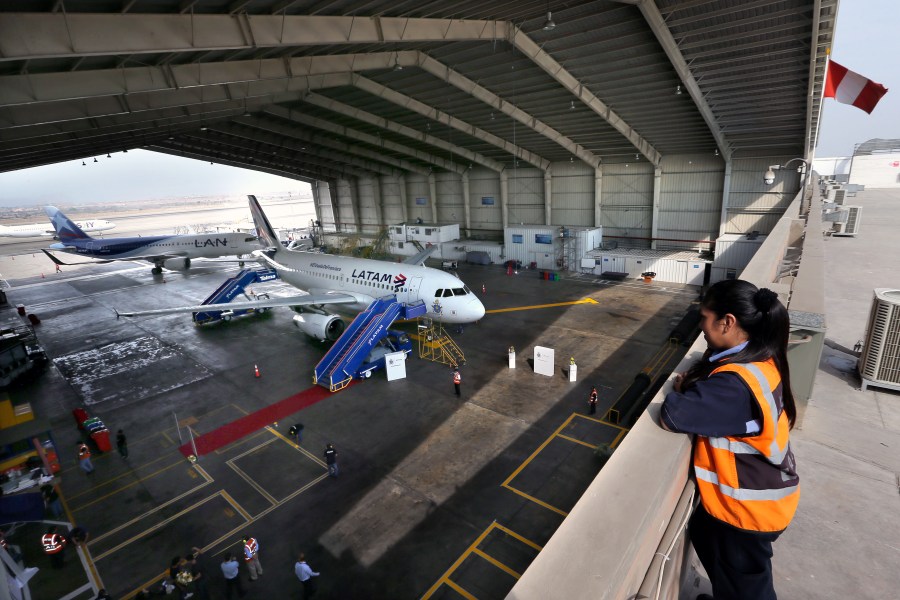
264, 229
66, 229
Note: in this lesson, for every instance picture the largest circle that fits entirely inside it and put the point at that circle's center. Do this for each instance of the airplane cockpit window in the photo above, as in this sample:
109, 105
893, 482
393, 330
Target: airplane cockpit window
459, 292
448, 293
250, 239
468, 291
438, 293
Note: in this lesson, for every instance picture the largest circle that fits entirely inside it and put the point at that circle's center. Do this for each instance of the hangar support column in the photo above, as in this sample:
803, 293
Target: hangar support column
654, 228
432, 190
379, 202
598, 195
726, 189
504, 199
466, 209
353, 190
401, 183
548, 199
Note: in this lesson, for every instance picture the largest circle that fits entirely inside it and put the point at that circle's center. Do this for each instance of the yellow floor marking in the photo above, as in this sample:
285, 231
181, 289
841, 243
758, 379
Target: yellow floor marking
236, 506
253, 484
618, 439
577, 441
538, 306
240, 442
125, 487
157, 526
539, 448
460, 591
166, 435
496, 563
512, 533
207, 481
188, 421
297, 446
458, 562
536, 500
239, 408
111, 480
145, 585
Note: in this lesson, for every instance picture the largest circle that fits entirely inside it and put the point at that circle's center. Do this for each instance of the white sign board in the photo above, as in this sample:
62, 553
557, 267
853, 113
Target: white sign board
573, 372
543, 361
395, 365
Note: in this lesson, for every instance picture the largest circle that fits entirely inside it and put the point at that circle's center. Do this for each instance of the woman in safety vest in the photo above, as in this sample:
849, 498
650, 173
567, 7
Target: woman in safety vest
737, 400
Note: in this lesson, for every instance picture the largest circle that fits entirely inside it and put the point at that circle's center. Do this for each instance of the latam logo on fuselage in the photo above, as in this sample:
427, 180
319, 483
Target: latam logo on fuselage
398, 281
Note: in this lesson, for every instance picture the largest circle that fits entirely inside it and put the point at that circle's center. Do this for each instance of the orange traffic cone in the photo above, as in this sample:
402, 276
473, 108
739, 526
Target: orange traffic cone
256, 370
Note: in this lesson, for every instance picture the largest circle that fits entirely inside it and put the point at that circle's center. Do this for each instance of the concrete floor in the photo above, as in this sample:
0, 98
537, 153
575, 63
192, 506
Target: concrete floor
434, 492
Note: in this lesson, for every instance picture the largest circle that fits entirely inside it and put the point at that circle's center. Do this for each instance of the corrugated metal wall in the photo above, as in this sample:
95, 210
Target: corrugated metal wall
753, 205
449, 198
572, 194
366, 195
324, 209
342, 203
626, 204
485, 218
690, 199
392, 211
526, 196
417, 187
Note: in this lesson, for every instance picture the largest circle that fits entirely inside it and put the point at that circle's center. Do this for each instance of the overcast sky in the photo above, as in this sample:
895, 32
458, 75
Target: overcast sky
865, 42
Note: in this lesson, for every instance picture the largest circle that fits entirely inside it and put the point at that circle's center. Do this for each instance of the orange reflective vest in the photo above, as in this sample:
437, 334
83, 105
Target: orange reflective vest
84, 451
53, 543
751, 482
456, 377
251, 547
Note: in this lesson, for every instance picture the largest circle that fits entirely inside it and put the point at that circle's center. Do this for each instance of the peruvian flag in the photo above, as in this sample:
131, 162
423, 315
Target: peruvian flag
848, 87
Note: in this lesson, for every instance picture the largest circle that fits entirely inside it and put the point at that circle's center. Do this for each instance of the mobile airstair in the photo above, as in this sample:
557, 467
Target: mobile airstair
342, 361
229, 290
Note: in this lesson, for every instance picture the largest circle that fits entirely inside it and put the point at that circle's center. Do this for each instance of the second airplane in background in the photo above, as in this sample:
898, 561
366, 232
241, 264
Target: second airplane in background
164, 251
46, 229
347, 284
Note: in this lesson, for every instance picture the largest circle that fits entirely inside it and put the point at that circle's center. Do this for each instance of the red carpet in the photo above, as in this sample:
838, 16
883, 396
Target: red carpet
231, 432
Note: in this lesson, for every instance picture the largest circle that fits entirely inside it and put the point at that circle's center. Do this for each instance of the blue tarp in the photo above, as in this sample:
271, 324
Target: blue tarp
22, 507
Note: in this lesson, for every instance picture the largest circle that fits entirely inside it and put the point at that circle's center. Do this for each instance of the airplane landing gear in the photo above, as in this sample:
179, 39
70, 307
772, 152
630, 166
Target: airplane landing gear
156, 270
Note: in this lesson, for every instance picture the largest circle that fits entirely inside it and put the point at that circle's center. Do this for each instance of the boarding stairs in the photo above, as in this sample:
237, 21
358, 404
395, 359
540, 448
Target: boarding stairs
437, 346
341, 362
229, 290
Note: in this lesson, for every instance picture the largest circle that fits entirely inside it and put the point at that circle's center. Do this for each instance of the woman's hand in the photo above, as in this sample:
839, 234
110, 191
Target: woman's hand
676, 385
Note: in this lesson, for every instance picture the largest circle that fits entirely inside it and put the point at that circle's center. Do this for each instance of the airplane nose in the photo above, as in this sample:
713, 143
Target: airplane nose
478, 309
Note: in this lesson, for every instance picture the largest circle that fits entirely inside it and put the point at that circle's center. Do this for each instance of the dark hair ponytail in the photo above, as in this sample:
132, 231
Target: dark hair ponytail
767, 323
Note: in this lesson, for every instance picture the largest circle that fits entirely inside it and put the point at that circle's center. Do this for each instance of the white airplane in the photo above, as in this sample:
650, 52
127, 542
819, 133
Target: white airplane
46, 229
351, 284
167, 251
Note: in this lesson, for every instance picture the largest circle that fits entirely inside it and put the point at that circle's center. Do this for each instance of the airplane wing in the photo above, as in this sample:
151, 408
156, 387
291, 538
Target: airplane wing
56, 260
302, 300
419, 259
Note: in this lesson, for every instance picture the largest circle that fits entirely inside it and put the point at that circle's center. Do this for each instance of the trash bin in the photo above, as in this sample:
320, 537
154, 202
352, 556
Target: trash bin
33, 319
101, 438
80, 417
20, 308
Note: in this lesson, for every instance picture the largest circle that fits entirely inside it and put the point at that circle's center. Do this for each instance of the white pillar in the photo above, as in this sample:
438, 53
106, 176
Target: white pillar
401, 181
726, 191
654, 227
379, 202
548, 191
466, 208
598, 189
432, 190
504, 198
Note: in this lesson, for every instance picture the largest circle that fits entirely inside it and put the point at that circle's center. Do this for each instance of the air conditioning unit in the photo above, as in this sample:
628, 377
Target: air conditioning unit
879, 364
836, 195
851, 225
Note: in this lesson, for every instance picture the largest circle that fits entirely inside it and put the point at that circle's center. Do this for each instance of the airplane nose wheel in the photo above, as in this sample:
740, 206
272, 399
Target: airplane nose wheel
156, 270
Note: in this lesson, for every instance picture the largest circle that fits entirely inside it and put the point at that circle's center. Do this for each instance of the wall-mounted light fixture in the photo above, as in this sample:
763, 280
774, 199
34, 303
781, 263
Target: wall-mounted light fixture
677, 90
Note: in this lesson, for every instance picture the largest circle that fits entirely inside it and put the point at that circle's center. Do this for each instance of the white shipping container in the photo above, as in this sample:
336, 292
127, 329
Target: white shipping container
734, 251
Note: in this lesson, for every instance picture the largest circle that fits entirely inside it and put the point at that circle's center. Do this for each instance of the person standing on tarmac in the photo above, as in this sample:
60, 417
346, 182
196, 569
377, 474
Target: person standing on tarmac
84, 458
251, 556
457, 379
592, 401
54, 546
122, 444
331, 460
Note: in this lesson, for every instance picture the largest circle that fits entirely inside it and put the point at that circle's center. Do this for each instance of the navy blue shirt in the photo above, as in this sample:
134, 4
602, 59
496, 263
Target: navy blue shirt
721, 405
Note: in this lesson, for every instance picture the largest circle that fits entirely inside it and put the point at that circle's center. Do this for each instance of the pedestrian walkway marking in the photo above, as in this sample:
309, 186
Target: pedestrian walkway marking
558, 433
474, 549
537, 306
247, 478
207, 480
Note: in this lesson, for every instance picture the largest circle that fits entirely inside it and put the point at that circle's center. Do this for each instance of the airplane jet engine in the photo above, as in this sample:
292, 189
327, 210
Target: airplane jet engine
177, 264
321, 327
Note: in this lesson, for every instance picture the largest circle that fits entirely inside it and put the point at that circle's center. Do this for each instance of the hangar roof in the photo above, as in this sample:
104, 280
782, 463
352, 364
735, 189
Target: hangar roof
319, 89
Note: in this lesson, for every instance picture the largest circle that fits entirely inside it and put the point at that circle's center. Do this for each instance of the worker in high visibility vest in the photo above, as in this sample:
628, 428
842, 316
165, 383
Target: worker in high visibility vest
84, 458
54, 546
457, 379
738, 403
251, 557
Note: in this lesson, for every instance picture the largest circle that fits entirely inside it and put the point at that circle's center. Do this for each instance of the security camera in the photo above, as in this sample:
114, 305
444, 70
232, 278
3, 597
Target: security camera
769, 177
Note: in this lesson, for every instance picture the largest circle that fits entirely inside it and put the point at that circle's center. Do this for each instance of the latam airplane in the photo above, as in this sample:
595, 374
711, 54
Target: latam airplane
348, 283
46, 230
168, 251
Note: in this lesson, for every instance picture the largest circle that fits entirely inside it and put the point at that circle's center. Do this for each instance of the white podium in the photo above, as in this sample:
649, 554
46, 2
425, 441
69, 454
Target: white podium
512, 360
573, 372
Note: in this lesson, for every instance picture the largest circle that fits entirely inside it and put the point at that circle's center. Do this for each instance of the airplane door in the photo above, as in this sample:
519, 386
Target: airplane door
412, 290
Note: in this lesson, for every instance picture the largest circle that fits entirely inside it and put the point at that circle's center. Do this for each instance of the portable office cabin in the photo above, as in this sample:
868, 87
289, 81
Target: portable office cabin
675, 266
550, 247
732, 255
423, 232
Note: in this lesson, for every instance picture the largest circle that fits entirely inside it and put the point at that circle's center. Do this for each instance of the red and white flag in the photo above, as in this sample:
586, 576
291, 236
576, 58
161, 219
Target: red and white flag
848, 87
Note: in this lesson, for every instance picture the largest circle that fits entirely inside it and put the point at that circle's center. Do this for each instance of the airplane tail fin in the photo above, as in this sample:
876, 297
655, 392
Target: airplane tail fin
264, 230
66, 229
